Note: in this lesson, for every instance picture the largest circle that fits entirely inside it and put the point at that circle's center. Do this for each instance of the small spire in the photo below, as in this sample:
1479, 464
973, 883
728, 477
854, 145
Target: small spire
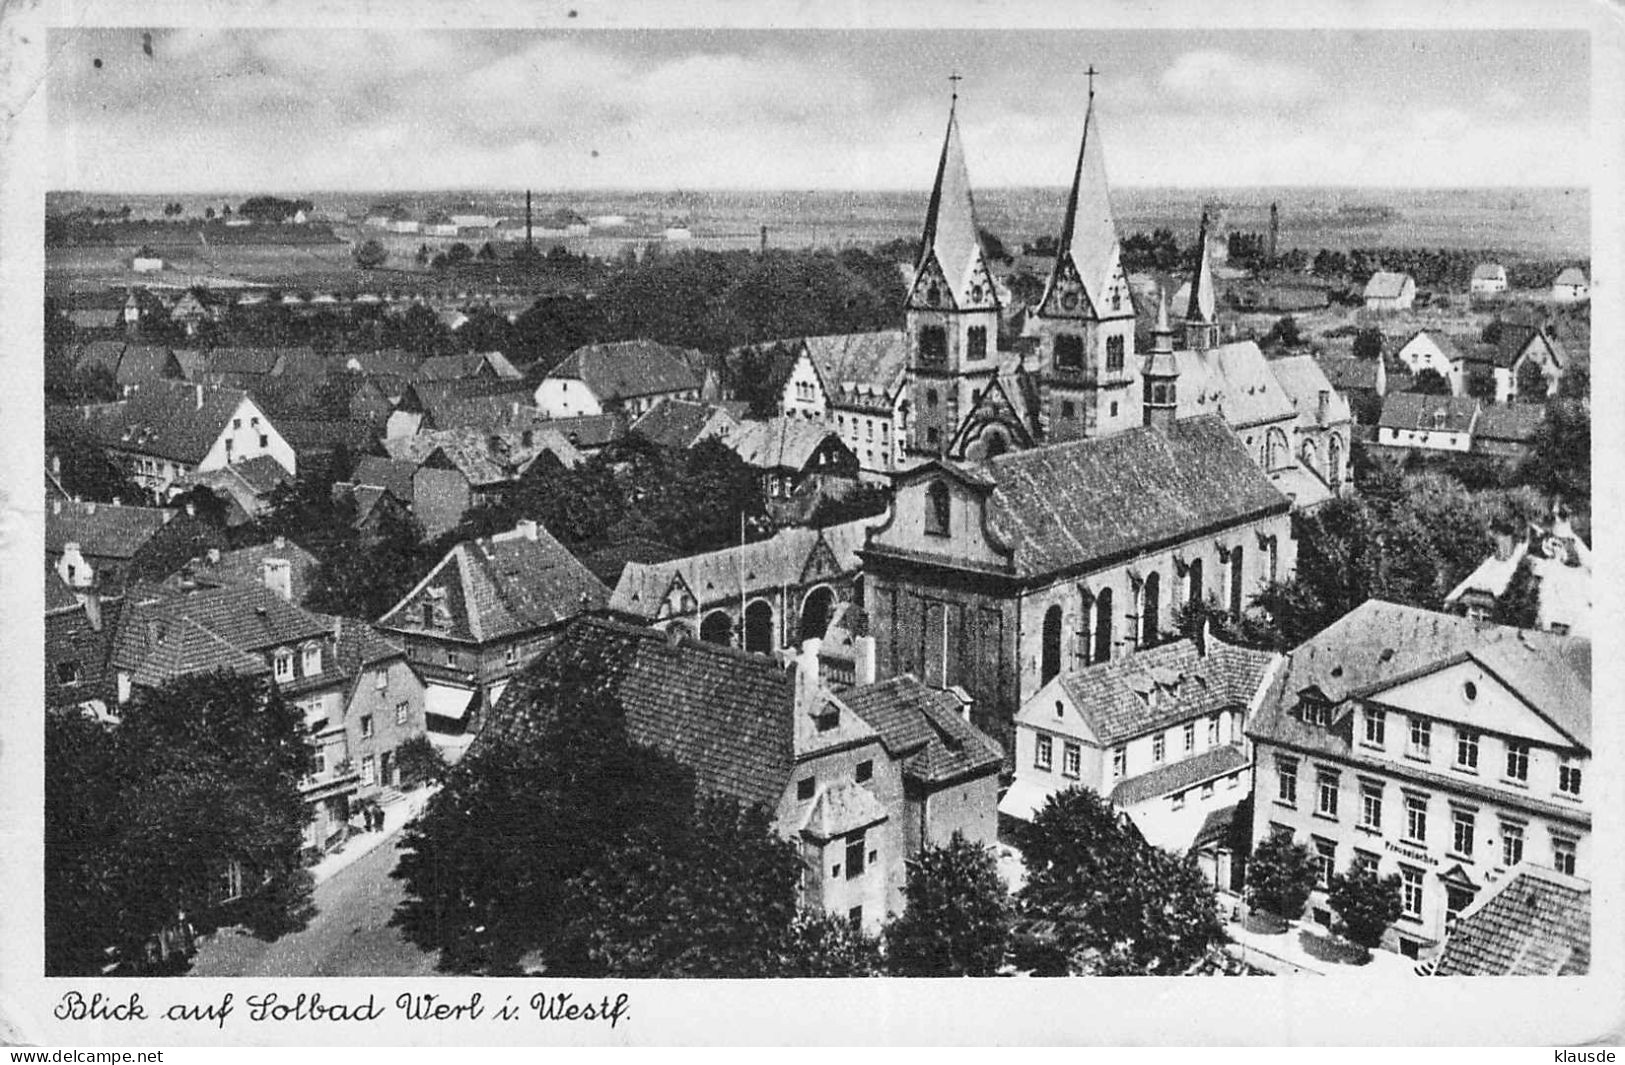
1202, 303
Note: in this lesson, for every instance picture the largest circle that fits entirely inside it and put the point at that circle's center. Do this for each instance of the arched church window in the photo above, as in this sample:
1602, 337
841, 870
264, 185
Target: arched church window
933, 344
1103, 627
1236, 575
1068, 351
937, 509
1069, 410
930, 399
976, 342
1050, 663
1114, 354
1193, 583
1334, 462
1150, 609
996, 445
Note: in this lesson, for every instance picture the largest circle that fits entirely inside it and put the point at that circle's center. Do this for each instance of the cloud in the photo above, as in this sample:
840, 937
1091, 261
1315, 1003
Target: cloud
1212, 80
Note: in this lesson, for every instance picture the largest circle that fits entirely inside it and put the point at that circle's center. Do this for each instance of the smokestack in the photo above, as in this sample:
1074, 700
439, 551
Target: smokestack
277, 575
764, 239
528, 246
1275, 231
1325, 405
807, 674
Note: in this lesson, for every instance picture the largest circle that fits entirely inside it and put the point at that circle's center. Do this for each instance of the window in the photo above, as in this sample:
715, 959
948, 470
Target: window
1325, 861
236, 423
1462, 840
366, 725
1511, 844
1159, 748
1517, 760
284, 665
229, 443
451, 659
1416, 818
1178, 800
1068, 351
1103, 626
1286, 782
1371, 806
1563, 851
1466, 749
1568, 778
1410, 891
1114, 354
1190, 736
1366, 862
311, 660
1119, 762
1114, 408
1069, 410
67, 672
1326, 803
511, 655
976, 342
265, 441
866, 770
854, 855
805, 787
1421, 739
1072, 760
380, 680
1213, 731
933, 344
855, 915
937, 509
1207, 790
1050, 651
1376, 726
401, 712
1045, 755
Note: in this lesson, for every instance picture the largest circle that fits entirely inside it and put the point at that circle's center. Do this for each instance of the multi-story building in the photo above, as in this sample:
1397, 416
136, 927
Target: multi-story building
627, 377
1442, 749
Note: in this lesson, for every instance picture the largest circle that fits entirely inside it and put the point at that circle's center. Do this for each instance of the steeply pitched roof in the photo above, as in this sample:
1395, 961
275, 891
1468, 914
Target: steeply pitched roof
1203, 302
246, 360
482, 457
1386, 284
674, 422
102, 530
1516, 339
1073, 504
860, 368
1347, 373
951, 237
628, 369
922, 728
166, 633
246, 566
1416, 411
1441, 340
1303, 380
780, 443
1234, 380
1571, 275
393, 474
169, 420
360, 644
1510, 422
1535, 922
504, 585
727, 715
1088, 229
1177, 776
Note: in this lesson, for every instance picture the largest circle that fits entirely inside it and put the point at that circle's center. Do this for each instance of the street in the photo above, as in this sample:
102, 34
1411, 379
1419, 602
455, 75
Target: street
349, 936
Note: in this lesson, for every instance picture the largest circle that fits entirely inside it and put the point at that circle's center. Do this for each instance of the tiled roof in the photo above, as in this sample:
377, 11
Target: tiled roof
360, 644
306, 435
1417, 411
922, 728
262, 473
1076, 503
1114, 696
673, 422
1233, 380
1535, 922
1180, 775
628, 369
589, 430
725, 714
244, 566
102, 530
779, 443
166, 633
393, 474
500, 586
390, 363
859, 366
1380, 643
1349, 373
1303, 380
166, 419
1385, 284
1516, 339
1517, 422
130, 364
246, 360
1442, 341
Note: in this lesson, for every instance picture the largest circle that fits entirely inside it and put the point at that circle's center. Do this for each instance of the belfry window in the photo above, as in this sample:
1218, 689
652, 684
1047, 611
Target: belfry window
976, 342
1068, 351
1114, 354
933, 344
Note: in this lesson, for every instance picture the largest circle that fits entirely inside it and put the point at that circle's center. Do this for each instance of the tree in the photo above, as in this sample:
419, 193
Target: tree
1284, 333
1430, 382
993, 247
420, 762
1368, 344
370, 254
1560, 460
1365, 904
825, 945
366, 580
1119, 904
1280, 876
958, 914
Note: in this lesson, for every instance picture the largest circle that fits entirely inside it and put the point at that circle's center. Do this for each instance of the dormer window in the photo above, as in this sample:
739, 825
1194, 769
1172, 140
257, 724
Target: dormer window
283, 664
828, 719
938, 509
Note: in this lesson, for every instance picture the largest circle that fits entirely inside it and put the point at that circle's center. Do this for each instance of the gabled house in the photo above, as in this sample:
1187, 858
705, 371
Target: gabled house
1437, 352
626, 377
857, 780
458, 469
490, 365
129, 363
1555, 563
426, 405
104, 546
1158, 734
1442, 749
244, 487
79, 628
279, 565
1508, 432
680, 423
1424, 422
863, 377
1388, 291
1488, 279
1529, 364
382, 707
790, 452
1571, 286
162, 430
484, 611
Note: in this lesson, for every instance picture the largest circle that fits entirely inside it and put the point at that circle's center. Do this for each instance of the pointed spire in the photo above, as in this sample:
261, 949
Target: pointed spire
1202, 304
1163, 334
1089, 231
950, 219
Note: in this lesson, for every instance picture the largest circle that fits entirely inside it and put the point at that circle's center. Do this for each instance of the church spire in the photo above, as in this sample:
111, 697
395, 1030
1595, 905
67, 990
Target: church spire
1089, 245
951, 249
1202, 303
1163, 334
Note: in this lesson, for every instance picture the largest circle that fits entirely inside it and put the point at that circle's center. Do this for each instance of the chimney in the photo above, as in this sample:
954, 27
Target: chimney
56, 465
526, 529
199, 390
277, 575
1503, 544
863, 660
281, 543
1203, 634
806, 671
93, 610
191, 508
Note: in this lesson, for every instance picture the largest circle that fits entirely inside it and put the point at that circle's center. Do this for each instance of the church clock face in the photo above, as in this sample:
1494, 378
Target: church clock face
976, 294
1069, 301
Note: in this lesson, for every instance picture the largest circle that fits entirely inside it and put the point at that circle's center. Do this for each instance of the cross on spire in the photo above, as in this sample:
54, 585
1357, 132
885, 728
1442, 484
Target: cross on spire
954, 79
1091, 74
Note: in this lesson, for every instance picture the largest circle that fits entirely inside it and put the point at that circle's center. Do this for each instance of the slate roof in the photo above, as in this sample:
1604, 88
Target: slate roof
360, 644
628, 369
1074, 504
102, 530
393, 474
1113, 696
1347, 373
1535, 922
1088, 229
1416, 411
1303, 379
1234, 380
725, 714
1380, 643
951, 236
1177, 776
166, 419
674, 422
781, 443
1386, 284
862, 370
503, 585
1516, 339
922, 728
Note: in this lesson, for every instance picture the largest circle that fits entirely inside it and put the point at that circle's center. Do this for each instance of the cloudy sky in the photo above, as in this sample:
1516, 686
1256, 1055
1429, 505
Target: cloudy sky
337, 110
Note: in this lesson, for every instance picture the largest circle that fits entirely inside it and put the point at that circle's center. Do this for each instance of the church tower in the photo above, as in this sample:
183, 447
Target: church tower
1089, 376
952, 310
1161, 372
1201, 313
